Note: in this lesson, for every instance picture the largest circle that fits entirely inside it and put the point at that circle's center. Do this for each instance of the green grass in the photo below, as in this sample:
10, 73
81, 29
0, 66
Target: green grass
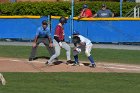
100, 55
71, 83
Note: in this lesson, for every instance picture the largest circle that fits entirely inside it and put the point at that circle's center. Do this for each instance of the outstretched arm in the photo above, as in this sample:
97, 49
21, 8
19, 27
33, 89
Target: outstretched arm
35, 41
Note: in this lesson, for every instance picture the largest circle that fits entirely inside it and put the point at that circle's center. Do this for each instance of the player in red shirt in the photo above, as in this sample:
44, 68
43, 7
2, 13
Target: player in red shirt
59, 42
85, 13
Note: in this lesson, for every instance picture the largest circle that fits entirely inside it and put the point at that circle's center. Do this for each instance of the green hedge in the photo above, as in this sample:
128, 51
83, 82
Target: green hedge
59, 8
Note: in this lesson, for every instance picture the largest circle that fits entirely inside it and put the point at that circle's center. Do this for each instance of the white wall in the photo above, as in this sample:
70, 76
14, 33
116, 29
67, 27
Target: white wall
138, 1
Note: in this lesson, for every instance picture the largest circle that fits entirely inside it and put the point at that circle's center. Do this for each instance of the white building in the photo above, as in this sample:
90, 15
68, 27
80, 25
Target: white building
138, 1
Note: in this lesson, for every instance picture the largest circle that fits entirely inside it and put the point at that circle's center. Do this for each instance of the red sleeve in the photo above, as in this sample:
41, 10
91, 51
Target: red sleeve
82, 13
57, 31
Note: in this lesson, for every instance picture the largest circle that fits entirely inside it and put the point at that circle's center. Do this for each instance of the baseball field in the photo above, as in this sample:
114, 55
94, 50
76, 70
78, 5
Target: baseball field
117, 71
71, 83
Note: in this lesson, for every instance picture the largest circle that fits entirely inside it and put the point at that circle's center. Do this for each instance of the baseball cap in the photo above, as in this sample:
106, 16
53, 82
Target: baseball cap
103, 5
44, 22
85, 6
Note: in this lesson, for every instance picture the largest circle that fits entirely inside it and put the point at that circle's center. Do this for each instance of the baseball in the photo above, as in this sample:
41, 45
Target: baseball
70, 37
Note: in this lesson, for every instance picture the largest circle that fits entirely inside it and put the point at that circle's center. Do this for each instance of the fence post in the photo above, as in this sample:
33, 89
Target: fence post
135, 12
49, 22
71, 19
138, 12
72, 14
121, 1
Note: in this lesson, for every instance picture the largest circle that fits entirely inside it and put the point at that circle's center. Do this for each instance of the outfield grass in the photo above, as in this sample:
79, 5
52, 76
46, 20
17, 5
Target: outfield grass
71, 83
100, 55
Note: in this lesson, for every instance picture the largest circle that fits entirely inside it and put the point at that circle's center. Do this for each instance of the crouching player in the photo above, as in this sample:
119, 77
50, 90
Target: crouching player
82, 44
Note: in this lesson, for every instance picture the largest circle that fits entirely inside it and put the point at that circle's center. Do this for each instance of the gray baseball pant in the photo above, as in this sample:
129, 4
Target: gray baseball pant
45, 41
58, 49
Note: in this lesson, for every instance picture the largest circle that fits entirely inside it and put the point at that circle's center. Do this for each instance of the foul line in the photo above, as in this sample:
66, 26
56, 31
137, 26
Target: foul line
121, 68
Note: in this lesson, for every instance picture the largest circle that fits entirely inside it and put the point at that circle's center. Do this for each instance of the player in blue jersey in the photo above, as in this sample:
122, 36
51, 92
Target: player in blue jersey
43, 35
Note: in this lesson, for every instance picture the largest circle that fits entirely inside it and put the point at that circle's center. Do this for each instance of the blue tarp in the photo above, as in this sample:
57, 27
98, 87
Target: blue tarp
96, 30
109, 31
19, 27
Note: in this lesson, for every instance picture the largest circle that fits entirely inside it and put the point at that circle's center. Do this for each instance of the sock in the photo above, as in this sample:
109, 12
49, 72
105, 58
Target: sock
76, 58
91, 59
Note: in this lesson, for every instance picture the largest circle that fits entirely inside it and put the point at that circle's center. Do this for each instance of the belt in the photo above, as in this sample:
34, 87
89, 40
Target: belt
42, 36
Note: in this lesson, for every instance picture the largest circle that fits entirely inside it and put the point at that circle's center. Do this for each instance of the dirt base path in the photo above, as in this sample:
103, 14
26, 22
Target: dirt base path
23, 65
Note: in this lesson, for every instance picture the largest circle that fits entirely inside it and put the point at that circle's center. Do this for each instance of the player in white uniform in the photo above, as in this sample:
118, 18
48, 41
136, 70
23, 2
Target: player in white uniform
2, 79
83, 44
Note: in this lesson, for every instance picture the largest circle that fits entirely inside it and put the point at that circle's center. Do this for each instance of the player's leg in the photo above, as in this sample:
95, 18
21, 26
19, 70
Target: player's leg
76, 51
68, 51
75, 55
34, 49
56, 54
88, 49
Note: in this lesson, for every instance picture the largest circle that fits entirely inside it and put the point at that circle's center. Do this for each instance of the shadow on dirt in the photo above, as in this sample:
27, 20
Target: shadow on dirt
41, 57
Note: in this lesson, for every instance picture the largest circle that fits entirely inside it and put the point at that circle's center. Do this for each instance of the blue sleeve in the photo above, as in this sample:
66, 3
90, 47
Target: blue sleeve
37, 32
110, 13
49, 33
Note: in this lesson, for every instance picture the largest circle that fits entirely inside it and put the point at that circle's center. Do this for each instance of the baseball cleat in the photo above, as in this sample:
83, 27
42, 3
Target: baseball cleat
75, 64
31, 59
92, 65
49, 64
68, 62
46, 63
2, 79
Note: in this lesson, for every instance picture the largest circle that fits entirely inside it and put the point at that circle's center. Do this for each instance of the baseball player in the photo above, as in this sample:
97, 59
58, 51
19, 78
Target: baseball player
42, 36
82, 44
2, 79
59, 42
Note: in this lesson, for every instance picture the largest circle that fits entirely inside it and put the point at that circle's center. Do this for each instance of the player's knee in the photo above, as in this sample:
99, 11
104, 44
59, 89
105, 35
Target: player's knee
68, 49
57, 54
87, 53
75, 53
34, 46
